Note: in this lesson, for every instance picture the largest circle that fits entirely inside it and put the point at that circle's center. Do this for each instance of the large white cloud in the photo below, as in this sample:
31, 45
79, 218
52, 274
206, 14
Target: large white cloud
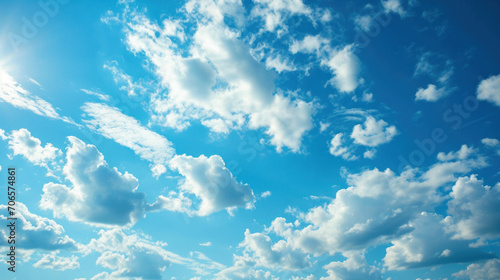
204, 85
36, 232
12, 92
489, 90
475, 209
99, 195
127, 131
373, 133
211, 182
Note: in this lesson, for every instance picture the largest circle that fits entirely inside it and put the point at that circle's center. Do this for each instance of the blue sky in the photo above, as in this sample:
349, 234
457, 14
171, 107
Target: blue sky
266, 139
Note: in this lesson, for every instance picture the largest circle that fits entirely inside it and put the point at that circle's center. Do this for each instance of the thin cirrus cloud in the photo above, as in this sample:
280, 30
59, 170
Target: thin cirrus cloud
12, 92
128, 132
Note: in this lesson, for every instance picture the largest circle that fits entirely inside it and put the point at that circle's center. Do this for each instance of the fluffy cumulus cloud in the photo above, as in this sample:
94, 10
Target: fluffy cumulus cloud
353, 268
54, 262
12, 92
211, 182
338, 149
431, 93
474, 209
275, 256
36, 232
345, 67
132, 256
127, 131
99, 195
489, 270
489, 90
22, 143
203, 85
437, 68
373, 133
429, 244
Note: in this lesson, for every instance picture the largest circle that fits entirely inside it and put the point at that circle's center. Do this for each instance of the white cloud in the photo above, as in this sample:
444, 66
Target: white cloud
438, 69
474, 209
323, 126
54, 262
310, 44
99, 195
489, 90
211, 182
490, 142
36, 232
2, 135
373, 133
337, 149
275, 256
276, 13
206, 244
22, 143
429, 244
279, 64
464, 153
489, 270
265, 194
345, 67
431, 93
128, 132
244, 269
101, 96
367, 97
353, 268
369, 154
131, 256
393, 6
11, 92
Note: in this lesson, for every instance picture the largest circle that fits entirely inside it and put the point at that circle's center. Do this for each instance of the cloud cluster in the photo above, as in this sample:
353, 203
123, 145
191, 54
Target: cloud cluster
381, 207
205, 86
211, 182
99, 195
370, 134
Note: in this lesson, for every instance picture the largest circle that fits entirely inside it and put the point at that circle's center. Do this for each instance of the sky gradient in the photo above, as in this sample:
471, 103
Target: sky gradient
265, 139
